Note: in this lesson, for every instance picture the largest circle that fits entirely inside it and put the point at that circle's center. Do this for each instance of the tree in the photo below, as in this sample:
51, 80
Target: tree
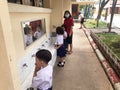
102, 3
112, 14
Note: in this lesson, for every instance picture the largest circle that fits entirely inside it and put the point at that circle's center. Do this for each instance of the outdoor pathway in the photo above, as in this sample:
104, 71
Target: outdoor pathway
82, 70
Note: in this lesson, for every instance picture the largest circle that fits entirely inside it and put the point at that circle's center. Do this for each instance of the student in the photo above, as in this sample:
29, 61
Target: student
81, 17
28, 37
65, 36
59, 45
42, 78
37, 33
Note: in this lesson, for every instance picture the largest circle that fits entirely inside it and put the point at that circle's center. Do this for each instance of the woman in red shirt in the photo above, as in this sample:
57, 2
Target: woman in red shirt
68, 23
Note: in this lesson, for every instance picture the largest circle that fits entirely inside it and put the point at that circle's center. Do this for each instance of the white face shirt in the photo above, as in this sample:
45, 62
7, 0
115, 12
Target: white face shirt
65, 34
43, 80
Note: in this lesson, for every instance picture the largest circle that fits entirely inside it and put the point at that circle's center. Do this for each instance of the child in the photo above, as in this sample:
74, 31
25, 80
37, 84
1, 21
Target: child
81, 17
37, 33
65, 36
28, 37
42, 78
59, 45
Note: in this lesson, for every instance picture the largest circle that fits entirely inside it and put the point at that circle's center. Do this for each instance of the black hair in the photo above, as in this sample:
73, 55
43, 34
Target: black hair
26, 30
67, 12
59, 30
44, 55
79, 12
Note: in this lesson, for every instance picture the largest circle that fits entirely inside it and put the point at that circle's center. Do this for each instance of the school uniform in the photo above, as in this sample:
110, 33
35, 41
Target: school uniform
43, 80
61, 50
28, 39
37, 34
65, 42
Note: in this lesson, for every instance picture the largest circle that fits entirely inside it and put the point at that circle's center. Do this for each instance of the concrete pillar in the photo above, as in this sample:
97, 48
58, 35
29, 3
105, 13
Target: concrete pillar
8, 72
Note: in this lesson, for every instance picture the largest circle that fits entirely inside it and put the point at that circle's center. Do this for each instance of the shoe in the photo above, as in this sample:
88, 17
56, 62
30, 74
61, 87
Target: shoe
60, 65
60, 62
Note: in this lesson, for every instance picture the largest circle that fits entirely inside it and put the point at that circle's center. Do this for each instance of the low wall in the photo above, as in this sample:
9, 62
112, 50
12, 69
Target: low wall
113, 60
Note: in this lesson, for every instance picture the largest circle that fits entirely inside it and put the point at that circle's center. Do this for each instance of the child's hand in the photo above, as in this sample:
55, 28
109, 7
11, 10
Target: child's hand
55, 47
35, 72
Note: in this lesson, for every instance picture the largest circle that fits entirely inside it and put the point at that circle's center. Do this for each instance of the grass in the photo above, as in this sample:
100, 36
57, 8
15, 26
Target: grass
91, 23
112, 40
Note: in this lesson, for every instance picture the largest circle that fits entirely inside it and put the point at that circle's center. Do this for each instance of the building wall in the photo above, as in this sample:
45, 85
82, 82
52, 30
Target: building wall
12, 47
58, 8
47, 3
16, 17
18, 30
7, 51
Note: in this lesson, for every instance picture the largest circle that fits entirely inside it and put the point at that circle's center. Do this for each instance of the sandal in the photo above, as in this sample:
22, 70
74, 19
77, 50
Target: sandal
69, 52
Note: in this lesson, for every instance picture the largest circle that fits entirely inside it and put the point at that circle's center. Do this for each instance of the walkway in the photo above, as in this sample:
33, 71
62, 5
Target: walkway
82, 70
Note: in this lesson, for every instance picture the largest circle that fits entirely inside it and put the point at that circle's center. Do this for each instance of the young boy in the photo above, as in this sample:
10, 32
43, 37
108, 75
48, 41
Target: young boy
42, 78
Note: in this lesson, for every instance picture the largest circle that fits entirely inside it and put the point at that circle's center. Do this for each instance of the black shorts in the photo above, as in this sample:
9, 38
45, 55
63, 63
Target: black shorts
69, 39
82, 21
47, 89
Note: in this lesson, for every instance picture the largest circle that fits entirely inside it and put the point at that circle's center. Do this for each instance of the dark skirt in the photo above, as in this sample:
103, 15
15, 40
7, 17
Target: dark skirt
69, 39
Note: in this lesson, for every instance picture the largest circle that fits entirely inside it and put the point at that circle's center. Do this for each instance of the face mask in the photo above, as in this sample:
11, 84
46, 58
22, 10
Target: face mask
67, 15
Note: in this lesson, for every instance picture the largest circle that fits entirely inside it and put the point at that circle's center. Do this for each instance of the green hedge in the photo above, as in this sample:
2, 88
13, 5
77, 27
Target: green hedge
112, 40
91, 23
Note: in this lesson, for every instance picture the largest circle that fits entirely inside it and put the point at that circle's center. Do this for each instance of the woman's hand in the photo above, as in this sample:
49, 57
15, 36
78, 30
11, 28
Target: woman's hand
70, 34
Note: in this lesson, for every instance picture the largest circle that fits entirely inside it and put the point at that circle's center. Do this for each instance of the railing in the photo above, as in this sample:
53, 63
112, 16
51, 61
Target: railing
110, 56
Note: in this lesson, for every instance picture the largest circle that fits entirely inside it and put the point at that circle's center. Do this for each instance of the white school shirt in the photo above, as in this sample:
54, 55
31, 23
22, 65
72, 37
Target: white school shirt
43, 80
65, 34
59, 40
37, 34
28, 39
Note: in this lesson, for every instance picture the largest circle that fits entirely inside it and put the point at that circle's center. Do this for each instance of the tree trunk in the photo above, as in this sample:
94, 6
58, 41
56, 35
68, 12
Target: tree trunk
101, 6
112, 14
106, 13
99, 16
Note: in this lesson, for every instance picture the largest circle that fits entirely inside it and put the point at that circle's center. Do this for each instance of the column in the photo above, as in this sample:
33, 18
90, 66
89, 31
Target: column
8, 72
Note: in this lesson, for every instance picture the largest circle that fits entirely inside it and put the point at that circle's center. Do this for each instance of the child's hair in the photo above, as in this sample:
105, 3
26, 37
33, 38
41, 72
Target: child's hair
44, 55
59, 30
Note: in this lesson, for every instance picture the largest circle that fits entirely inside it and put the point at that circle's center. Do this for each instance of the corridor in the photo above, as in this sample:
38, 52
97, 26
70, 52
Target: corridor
82, 70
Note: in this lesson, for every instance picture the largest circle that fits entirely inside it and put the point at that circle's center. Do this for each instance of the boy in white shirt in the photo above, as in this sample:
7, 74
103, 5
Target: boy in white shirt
42, 78
37, 33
